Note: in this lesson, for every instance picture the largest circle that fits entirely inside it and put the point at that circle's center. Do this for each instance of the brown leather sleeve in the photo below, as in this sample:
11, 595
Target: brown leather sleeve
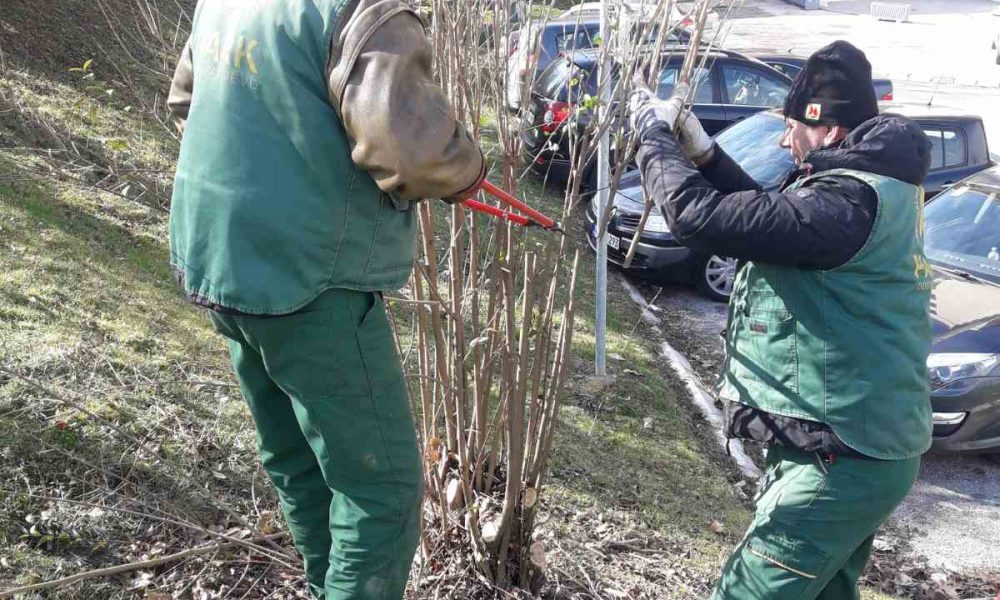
181, 88
401, 126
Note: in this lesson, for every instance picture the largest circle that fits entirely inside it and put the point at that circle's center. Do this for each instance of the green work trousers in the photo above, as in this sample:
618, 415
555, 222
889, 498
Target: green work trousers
327, 394
814, 526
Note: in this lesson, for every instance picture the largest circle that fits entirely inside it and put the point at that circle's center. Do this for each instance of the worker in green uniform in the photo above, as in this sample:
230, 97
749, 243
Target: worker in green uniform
310, 129
828, 330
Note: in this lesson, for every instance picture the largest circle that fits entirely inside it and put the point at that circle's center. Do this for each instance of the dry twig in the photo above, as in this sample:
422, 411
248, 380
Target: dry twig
118, 569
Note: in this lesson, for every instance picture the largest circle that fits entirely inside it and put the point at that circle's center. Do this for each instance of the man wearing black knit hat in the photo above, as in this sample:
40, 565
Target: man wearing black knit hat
828, 330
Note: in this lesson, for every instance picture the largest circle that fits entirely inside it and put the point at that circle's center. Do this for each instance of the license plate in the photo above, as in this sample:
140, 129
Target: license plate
614, 242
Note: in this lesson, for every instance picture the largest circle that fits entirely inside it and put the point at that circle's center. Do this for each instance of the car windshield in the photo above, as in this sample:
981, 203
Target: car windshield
563, 77
701, 82
962, 230
753, 143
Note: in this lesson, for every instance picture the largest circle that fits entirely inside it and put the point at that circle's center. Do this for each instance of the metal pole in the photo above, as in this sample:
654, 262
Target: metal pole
603, 172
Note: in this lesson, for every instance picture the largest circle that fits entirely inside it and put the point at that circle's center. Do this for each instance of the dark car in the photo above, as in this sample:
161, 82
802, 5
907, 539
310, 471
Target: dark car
958, 143
730, 88
962, 242
658, 253
791, 66
533, 48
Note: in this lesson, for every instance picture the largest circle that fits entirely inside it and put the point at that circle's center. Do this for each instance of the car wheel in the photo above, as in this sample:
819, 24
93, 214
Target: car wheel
714, 277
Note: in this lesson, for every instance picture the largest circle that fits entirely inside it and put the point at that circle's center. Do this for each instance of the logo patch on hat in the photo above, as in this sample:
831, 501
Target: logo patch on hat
813, 111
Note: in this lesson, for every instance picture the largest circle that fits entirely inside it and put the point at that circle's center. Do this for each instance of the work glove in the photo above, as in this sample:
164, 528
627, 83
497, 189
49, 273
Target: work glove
646, 110
697, 144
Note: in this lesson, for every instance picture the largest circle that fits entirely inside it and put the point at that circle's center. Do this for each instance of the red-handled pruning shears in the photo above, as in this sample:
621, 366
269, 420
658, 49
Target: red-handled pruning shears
529, 218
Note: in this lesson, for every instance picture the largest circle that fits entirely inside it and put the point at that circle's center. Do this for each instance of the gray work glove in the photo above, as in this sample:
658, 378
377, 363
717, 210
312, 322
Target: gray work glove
646, 110
697, 144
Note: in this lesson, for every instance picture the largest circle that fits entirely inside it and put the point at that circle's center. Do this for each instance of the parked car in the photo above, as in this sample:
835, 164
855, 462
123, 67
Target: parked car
640, 10
533, 48
658, 253
536, 45
791, 66
730, 87
959, 146
594, 8
962, 242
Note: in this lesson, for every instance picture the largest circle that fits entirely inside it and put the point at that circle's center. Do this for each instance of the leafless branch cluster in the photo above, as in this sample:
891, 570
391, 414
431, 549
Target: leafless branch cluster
494, 336
494, 326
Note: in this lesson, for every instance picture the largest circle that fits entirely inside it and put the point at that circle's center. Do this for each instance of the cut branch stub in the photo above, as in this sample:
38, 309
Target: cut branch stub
454, 494
530, 497
538, 556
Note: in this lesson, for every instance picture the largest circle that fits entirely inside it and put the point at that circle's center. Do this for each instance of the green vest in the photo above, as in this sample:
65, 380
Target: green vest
846, 347
268, 208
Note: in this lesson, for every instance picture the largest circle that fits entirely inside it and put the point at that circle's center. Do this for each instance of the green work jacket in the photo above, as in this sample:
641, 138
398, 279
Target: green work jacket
268, 209
848, 346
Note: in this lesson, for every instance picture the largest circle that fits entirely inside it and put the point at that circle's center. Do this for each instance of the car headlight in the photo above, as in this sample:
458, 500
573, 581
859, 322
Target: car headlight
947, 368
657, 224
949, 419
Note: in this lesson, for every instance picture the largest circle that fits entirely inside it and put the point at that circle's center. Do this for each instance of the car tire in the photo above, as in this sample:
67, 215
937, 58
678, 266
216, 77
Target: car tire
714, 276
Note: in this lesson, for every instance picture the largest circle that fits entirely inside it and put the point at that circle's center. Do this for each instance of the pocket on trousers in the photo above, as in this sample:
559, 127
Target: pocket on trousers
313, 353
378, 348
788, 566
389, 402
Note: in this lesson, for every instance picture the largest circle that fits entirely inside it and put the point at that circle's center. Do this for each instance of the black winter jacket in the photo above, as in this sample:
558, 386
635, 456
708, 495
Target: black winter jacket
722, 210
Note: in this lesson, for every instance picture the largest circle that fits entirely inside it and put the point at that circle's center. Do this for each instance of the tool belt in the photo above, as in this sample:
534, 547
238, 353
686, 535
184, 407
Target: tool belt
749, 423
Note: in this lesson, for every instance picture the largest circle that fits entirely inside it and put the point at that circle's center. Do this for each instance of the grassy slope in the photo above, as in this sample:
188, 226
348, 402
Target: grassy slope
88, 308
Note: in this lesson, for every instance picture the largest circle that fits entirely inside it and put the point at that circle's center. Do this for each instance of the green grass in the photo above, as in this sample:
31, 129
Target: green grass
88, 309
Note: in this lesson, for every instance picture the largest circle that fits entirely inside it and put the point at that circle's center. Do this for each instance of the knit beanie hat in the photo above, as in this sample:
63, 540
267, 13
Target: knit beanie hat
834, 88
